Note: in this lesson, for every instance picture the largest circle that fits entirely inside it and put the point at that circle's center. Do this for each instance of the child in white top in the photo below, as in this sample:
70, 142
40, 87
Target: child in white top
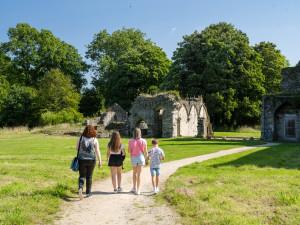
156, 154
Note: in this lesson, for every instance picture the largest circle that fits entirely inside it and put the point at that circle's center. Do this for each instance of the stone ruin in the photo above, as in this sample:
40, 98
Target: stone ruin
162, 115
166, 115
281, 112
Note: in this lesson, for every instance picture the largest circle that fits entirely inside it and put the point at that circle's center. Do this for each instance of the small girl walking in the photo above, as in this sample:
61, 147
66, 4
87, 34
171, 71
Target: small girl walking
115, 156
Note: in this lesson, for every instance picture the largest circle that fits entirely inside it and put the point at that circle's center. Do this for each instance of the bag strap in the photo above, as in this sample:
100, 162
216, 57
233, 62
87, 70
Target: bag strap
79, 146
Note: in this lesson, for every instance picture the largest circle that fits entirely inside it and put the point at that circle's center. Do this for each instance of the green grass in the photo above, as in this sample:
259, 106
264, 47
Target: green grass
256, 187
35, 177
237, 134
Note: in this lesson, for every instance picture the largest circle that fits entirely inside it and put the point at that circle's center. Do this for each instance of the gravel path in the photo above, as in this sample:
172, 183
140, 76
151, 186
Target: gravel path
104, 207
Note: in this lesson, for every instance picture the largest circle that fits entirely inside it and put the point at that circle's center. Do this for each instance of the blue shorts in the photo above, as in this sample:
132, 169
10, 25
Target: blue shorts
155, 171
138, 160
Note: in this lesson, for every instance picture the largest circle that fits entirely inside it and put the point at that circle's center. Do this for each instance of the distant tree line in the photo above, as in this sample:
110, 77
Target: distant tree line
42, 78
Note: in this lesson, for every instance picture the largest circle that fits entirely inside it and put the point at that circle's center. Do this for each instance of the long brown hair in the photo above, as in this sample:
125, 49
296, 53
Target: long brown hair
89, 131
115, 141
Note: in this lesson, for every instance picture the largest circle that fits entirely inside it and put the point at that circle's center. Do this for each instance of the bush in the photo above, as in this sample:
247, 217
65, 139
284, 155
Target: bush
64, 116
18, 107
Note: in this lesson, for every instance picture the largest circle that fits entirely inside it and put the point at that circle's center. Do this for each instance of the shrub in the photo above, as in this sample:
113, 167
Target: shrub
64, 116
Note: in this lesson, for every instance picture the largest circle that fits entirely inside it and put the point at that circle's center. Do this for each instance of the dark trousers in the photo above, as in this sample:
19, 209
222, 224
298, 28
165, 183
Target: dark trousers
86, 169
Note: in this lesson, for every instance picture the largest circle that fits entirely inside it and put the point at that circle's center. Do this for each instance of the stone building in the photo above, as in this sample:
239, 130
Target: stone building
166, 115
281, 112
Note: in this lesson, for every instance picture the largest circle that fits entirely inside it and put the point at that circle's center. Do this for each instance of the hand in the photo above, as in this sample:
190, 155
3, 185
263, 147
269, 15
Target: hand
99, 164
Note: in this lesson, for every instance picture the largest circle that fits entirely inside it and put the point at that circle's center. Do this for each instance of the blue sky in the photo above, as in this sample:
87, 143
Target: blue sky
164, 21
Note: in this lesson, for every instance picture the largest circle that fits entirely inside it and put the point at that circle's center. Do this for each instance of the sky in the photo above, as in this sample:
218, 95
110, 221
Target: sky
165, 22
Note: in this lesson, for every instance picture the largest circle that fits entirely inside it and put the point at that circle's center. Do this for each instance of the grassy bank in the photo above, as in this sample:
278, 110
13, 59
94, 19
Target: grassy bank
255, 187
35, 175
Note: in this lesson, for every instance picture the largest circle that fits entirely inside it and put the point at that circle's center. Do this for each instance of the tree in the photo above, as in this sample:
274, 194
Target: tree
56, 92
219, 64
33, 53
91, 102
125, 65
273, 63
4, 89
19, 107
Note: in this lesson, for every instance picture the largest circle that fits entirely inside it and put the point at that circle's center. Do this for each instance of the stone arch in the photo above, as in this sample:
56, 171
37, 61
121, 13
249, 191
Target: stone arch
285, 122
182, 119
203, 112
192, 122
159, 112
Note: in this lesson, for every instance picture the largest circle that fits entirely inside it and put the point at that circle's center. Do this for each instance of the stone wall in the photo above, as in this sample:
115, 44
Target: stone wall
291, 79
272, 121
169, 116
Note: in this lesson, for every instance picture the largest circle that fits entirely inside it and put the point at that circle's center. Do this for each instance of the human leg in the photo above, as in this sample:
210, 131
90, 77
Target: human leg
138, 178
119, 176
89, 175
134, 169
113, 171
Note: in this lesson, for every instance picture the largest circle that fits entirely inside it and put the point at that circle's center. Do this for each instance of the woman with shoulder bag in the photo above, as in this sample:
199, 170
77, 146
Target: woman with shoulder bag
115, 157
88, 152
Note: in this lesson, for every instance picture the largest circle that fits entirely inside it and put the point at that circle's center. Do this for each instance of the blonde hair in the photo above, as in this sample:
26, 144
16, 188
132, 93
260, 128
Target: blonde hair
137, 133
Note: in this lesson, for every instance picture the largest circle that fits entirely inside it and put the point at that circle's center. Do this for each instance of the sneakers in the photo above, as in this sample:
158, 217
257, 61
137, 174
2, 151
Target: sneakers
133, 190
80, 193
156, 190
119, 189
138, 192
115, 190
89, 195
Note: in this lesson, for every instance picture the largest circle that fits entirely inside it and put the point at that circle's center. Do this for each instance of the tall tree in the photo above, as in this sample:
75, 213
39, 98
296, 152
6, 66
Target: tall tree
126, 64
219, 64
33, 53
91, 102
273, 63
56, 92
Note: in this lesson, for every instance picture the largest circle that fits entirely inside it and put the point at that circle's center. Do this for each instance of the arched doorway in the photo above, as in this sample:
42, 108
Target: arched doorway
143, 126
285, 118
158, 122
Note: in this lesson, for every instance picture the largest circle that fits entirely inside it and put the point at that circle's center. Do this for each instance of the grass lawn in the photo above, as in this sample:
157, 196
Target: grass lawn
35, 175
260, 186
241, 134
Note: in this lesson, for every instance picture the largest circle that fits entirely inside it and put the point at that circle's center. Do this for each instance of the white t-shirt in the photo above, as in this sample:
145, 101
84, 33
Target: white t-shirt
155, 154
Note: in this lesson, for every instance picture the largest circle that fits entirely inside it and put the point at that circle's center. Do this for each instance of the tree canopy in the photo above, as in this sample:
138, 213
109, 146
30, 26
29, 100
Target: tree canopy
33, 53
273, 63
126, 64
56, 92
219, 64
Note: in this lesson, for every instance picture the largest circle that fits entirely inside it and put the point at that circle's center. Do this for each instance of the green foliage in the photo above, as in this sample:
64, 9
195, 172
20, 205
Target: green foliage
64, 116
56, 92
4, 89
125, 65
33, 53
219, 64
273, 63
91, 102
19, 106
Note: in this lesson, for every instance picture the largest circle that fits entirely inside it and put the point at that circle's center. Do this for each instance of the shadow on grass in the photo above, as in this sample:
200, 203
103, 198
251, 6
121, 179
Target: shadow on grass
285, 155
195, 141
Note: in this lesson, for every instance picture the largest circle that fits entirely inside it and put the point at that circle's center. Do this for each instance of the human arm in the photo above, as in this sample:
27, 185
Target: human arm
146, 153
162, 155
98, 153
107, 153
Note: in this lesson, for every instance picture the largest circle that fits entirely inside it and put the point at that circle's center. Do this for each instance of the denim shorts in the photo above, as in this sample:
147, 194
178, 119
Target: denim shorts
138, 160
155, 171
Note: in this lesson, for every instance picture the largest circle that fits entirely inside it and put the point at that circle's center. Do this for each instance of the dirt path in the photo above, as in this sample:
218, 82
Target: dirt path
104, 207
